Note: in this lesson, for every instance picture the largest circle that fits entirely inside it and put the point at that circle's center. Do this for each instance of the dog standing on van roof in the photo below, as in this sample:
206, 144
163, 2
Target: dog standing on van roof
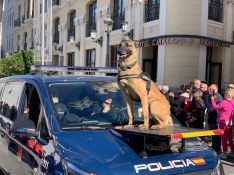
137, 86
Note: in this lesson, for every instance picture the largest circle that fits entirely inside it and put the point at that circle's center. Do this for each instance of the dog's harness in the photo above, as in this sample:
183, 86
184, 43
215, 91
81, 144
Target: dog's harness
144, 76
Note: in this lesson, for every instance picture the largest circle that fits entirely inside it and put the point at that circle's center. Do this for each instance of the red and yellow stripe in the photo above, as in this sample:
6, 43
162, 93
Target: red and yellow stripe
197, 134
198, 161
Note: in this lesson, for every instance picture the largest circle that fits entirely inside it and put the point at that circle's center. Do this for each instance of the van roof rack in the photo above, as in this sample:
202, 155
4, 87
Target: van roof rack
55, 70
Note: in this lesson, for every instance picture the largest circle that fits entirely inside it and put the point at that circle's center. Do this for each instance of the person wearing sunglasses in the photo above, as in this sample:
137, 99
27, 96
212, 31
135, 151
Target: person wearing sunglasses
231, 86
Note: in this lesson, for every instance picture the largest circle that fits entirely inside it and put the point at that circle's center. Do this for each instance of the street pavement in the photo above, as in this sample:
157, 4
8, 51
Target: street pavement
228, 165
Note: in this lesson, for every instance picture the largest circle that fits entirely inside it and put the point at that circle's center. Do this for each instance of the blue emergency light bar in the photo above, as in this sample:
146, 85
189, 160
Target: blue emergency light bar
65, 69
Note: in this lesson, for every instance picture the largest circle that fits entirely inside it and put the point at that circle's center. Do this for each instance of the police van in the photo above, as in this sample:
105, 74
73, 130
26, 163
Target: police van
58, 123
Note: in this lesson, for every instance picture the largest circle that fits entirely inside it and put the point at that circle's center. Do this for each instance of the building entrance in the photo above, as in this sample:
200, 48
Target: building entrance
150, 59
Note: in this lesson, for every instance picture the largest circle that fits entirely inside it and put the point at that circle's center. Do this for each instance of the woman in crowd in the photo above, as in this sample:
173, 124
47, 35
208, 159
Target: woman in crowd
225, 115
197, 111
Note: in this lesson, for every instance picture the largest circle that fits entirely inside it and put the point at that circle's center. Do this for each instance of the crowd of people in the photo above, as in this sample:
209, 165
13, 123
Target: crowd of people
199, 105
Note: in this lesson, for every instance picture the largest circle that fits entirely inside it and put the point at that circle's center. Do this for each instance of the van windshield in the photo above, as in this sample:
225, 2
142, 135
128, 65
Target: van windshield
90, 103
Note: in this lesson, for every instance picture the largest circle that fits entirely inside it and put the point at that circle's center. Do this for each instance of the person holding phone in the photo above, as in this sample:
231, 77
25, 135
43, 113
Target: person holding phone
212, 116
225, 115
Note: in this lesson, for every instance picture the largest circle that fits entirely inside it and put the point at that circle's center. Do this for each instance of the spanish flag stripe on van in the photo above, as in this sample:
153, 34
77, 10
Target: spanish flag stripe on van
198, 161
197, 134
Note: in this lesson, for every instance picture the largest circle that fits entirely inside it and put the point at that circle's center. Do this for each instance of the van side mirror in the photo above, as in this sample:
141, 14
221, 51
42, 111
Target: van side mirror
23, 128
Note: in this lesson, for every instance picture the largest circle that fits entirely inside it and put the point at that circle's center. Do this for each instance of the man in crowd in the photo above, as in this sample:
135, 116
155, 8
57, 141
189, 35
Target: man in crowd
212, 117
197, 87
206, 99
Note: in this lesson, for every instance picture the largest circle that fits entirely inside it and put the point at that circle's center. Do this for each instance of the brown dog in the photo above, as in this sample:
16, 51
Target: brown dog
154, 104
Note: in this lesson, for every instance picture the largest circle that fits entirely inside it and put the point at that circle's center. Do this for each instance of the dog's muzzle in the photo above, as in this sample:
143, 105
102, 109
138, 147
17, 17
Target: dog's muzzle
124, 54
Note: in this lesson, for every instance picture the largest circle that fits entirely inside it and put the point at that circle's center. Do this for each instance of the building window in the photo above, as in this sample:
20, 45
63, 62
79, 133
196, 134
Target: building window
28, 9
32, 8
150, 62
56, 2
152, 10
213, 68
25, 41
71, 30
91, 23
46, 6
17, 22
118, 15
71, 59
90, 61
56, 30
215, 12
18, 44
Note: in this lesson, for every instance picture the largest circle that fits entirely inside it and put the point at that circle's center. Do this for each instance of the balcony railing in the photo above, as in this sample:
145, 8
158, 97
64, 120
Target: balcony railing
215, 12
17, 22
56, 38
152, 10
56, 2
71, 33
90, 27
118, 19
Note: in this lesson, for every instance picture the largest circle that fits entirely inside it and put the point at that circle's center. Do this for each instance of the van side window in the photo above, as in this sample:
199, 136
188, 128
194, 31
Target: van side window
36, 110
33, 102
11, 99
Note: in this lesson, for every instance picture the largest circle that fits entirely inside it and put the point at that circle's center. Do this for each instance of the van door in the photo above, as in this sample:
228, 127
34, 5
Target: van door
16, 155
9, 151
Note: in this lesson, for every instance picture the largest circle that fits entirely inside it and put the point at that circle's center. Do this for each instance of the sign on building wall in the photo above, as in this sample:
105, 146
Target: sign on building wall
183, 41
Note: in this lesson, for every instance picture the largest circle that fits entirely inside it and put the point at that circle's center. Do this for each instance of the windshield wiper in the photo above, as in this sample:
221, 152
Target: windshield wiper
83, 127
88, 125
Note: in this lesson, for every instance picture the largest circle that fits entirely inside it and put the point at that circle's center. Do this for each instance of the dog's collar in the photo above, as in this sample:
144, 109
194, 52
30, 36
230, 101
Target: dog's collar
127, 66
144, 76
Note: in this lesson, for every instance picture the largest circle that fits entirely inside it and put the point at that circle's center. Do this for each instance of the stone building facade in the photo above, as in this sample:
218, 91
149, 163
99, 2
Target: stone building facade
178, 40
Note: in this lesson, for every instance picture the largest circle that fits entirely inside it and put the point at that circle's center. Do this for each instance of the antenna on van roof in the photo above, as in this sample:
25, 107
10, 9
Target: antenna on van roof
52, 70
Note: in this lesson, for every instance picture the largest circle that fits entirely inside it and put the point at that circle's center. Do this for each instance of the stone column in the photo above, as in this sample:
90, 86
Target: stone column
202, 55
227, 50
99, 22
76, 39
105, 12
63, 42
81, 24
162, 48
128, 12
137, 5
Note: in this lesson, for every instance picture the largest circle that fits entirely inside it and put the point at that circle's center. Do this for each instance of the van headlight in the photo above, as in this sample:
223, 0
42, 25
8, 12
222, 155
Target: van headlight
219, 169
71, 169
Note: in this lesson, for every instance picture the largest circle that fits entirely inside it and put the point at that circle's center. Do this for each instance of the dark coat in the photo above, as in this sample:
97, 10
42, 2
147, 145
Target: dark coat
197, 112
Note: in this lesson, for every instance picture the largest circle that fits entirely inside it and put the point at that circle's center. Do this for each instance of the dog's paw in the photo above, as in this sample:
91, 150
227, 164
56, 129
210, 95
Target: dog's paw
143, 127
155, 127
128, 127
